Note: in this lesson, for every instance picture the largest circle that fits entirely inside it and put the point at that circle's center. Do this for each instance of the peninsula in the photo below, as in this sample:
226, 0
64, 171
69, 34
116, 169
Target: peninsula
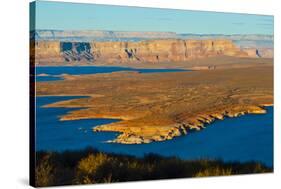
160, 106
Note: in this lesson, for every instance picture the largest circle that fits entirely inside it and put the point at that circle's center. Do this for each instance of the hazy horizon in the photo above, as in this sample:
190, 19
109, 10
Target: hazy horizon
88, 30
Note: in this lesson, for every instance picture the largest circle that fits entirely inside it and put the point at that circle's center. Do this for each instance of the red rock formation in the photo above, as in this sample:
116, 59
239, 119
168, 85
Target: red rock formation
169, 50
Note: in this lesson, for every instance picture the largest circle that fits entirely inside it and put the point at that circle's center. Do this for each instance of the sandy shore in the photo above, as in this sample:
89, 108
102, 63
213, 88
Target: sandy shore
224, 62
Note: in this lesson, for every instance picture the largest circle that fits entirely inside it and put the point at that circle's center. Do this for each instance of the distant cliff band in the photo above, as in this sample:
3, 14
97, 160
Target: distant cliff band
153, 51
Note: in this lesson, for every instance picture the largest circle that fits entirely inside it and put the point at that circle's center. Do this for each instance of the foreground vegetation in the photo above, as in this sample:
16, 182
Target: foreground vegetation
91, 166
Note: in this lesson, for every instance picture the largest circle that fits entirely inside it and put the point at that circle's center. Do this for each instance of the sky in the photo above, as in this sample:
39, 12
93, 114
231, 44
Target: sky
78, 16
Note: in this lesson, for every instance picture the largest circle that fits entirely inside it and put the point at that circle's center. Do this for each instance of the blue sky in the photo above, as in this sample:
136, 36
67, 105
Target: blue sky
76, 16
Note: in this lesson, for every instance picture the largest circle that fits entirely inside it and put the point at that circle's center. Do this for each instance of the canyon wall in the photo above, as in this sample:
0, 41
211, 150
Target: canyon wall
163, 50
166, 50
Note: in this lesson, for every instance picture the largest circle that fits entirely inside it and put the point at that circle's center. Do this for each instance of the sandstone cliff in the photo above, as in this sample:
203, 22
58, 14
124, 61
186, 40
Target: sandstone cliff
154, 51
46, 51
163, 50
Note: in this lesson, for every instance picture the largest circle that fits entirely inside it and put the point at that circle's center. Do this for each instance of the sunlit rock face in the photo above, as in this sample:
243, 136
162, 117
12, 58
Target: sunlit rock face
163, 50
45, 51
152, 51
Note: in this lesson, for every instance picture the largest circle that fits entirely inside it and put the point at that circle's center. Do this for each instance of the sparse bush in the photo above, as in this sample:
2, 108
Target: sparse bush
214, 171
90, 166
44, 172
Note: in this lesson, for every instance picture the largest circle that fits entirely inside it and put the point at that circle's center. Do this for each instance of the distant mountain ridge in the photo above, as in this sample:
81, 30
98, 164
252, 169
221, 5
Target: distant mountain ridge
90, 35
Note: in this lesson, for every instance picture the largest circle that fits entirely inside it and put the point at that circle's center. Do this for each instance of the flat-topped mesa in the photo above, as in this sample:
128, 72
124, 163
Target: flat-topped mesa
163, 50
153, 51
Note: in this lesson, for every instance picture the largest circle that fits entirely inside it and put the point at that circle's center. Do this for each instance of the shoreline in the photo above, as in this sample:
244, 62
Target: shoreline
222, 62
190, 142
176, 131
157, 107
181, 130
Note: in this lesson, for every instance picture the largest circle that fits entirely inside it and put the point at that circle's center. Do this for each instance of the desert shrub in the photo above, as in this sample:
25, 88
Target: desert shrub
214, 171
91, 168
44, 172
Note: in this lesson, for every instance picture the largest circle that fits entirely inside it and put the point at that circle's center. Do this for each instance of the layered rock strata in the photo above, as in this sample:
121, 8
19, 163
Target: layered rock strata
153, 51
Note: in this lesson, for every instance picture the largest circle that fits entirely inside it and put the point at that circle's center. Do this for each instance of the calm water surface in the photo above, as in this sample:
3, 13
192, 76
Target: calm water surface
246, 138
53, 72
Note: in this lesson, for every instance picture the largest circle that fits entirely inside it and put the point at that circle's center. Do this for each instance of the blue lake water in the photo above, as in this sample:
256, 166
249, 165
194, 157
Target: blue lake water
80, 70
246, 138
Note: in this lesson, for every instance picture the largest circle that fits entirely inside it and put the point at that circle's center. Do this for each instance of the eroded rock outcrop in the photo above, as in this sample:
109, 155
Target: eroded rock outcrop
259, 52
76, 51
